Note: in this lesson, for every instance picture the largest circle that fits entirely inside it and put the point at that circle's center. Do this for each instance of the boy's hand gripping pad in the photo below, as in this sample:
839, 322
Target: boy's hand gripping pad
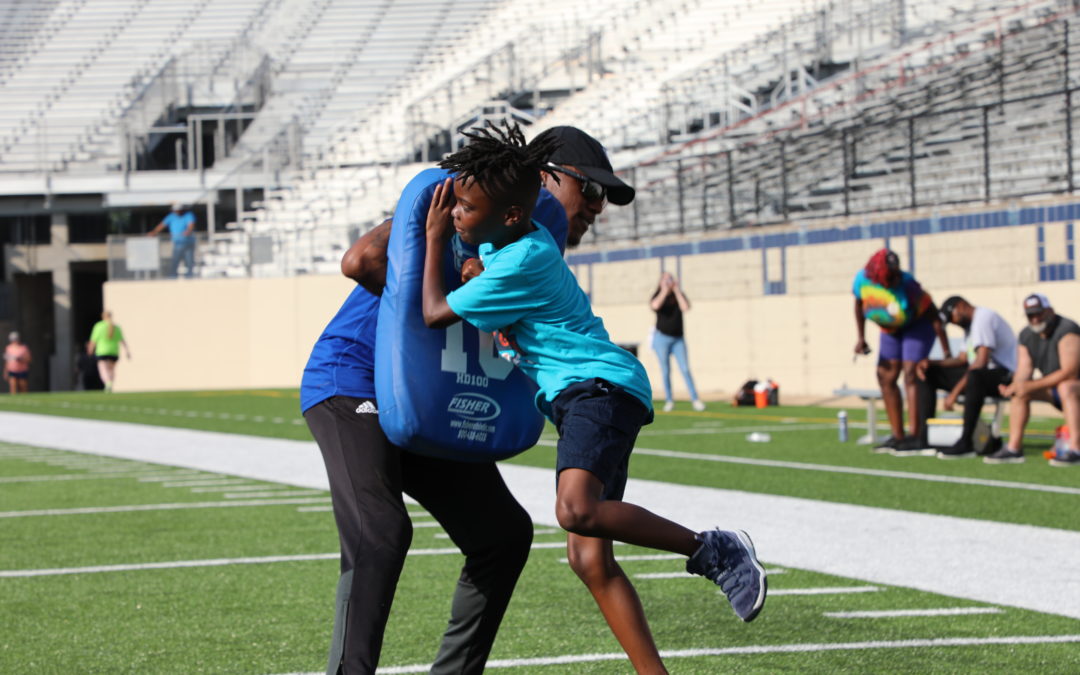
445, 392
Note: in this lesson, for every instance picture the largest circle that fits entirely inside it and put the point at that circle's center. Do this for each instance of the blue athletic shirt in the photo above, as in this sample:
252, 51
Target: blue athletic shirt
342, 363
543, 320
178, 223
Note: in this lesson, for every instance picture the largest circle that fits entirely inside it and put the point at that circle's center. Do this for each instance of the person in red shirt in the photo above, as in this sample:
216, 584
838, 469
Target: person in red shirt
17, 364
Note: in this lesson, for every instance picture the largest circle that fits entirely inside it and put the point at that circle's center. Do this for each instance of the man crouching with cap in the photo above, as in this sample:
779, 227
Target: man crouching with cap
1050, 343
986, 362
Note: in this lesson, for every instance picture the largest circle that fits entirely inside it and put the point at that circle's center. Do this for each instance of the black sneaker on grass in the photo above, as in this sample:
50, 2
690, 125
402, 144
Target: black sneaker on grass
911, 446
728, 560
886, 446
958, 451
1005, 455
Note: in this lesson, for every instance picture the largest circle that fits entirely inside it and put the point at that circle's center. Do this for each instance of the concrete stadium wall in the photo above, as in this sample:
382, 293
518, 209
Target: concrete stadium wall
776, 305
220, 333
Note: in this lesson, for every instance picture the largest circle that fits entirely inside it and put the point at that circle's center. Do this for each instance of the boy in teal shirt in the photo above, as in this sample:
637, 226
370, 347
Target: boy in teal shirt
597, 394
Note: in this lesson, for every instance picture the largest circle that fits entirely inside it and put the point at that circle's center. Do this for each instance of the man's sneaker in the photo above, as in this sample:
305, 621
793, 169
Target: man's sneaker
698, 405
669, 406
886, 446
1066, 458
911, 446
729, 561
1005, 455
958, 451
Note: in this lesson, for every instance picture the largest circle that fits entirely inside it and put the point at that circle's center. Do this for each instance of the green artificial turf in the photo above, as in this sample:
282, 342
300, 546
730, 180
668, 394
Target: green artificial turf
274, 617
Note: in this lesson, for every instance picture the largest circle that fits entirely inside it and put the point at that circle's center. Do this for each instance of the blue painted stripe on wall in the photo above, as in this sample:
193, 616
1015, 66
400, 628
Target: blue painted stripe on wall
720, 245
672, 250
583, 258
896, 228
920, 226
626, 254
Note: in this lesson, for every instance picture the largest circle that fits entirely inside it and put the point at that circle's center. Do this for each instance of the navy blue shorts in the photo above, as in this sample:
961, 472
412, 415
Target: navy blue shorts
598, 423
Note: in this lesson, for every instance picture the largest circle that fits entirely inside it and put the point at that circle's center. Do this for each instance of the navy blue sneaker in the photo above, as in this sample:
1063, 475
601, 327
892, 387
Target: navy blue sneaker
729, 561
1066, 458
1005, 455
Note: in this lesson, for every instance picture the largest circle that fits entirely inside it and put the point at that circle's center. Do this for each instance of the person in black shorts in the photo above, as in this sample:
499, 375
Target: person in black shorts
1051, 344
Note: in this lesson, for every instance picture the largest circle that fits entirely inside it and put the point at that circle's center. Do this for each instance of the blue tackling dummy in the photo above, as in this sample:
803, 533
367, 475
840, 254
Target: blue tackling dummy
446, 392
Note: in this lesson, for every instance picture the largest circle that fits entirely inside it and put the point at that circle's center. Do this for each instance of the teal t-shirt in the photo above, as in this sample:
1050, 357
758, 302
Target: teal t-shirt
543, 320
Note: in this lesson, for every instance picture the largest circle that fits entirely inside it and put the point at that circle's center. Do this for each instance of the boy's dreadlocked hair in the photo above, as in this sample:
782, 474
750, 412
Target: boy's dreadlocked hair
501, 162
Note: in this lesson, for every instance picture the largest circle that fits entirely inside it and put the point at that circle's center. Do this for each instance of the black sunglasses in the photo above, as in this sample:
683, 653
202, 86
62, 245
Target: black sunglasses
591, 190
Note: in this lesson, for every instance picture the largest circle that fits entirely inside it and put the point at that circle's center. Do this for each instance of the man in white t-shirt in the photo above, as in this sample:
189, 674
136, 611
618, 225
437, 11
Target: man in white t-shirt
987, 361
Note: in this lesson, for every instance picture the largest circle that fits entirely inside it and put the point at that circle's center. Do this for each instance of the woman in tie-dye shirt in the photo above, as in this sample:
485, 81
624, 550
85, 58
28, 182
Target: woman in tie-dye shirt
909, 321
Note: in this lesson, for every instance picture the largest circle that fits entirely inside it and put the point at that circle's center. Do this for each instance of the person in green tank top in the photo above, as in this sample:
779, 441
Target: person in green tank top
106, 338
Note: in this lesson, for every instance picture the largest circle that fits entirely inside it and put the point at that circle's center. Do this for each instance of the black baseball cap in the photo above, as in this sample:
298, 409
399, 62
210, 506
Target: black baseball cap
1036, 303
948, 306
580, 150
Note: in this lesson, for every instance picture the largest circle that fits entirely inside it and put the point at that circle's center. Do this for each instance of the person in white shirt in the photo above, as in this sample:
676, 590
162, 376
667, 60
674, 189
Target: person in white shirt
987, 361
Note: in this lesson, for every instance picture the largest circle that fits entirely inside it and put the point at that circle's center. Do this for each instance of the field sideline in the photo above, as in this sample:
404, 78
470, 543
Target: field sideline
859, 539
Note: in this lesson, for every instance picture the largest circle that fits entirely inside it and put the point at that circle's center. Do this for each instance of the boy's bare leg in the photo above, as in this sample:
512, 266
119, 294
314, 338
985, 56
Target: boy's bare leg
593, 561
580, 510
726, 558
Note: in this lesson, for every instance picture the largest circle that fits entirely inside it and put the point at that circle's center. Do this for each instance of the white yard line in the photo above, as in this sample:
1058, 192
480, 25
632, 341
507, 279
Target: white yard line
207, 482
142, 477
270, 494
958, 557
180, 506
827, 468
718, 430
895, 613
219, 562
825, 590
171, 564
797, 648
180, 474
243, 486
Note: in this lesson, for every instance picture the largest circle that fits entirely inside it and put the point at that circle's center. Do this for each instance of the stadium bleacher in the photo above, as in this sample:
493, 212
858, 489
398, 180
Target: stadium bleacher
725, 116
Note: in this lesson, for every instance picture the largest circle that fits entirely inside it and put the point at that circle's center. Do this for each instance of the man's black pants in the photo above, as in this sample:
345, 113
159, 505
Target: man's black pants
981, 384
471, 502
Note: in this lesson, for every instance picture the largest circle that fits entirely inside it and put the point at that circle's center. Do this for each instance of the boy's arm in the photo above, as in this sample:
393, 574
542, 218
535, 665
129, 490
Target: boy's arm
365, 261
437, 312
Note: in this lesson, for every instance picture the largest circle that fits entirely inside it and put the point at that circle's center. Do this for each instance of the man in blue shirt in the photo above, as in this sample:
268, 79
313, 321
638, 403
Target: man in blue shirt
368, 474
181, 224
595, 393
